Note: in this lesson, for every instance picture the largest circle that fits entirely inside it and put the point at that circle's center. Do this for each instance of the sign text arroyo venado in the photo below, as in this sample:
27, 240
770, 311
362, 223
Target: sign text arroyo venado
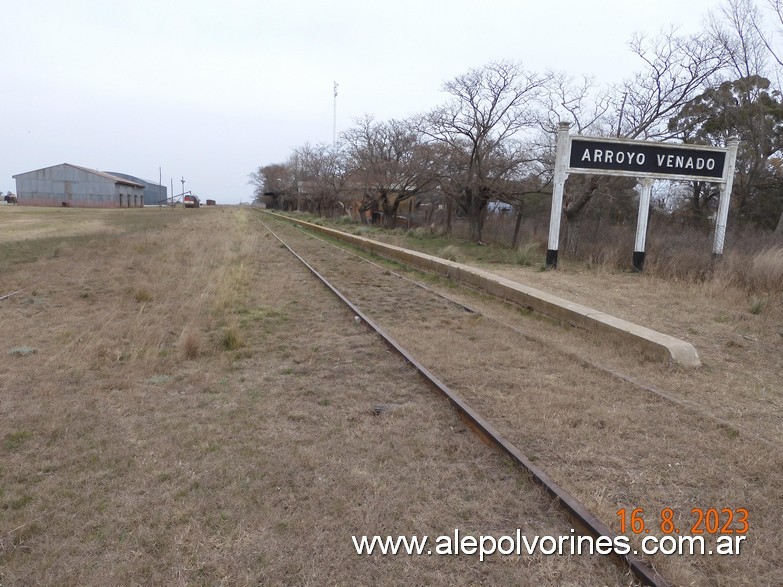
652, 159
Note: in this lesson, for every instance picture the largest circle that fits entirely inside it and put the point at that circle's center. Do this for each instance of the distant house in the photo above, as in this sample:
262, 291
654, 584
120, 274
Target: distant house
154, 193
72, 185
498, 207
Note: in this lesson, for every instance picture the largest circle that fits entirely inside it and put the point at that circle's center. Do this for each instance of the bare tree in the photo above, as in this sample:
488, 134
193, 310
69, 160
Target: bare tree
482, 127
320, 177
276, 182
591, 110
736, 30
390, 162
770, 39
675, 69
584, 105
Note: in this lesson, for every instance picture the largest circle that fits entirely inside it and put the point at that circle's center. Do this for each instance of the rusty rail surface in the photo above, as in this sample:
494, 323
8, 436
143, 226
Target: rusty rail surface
577, 511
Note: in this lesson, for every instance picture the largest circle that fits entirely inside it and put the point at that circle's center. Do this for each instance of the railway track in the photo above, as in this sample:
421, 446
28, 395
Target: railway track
603, 444
589, 522
640, 385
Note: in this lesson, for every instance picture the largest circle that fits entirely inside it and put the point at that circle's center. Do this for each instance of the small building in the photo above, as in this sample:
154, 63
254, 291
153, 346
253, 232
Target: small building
154, 193
72, 185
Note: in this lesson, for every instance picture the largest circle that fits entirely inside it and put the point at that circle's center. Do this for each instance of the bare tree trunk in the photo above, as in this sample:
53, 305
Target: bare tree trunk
572, 235
779, 227
428, 213
475, 229
449, 212
696, 199
476, 224
573, 214
389, 213
515, 239
475, 216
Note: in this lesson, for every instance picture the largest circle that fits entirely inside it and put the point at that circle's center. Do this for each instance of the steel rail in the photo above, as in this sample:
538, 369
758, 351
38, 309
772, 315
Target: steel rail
484, 430
8, 295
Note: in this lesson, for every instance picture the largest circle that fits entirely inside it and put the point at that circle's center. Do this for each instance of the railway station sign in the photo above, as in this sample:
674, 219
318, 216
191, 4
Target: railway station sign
635, 158
646, 161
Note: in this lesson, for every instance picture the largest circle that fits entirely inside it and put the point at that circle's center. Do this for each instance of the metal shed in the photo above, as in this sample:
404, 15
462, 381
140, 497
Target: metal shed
154, 192
72, 185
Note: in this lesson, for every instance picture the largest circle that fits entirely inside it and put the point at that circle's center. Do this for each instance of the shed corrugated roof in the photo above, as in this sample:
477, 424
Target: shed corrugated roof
113, 178
135, 178
116, 179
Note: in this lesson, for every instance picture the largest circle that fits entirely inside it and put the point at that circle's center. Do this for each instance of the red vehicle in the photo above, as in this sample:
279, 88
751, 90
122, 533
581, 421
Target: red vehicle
191, 201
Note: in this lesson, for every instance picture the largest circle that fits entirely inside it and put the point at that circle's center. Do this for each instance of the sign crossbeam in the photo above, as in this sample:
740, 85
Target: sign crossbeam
644, 160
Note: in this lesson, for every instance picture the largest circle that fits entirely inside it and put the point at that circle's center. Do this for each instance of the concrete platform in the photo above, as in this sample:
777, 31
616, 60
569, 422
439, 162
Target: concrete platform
653, 343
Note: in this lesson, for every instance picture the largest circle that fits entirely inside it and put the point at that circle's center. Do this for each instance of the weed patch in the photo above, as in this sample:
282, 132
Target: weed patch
22, 351
757, 306
14, 440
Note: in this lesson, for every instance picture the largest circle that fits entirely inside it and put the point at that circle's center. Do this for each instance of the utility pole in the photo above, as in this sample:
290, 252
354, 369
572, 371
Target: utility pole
183, 185
622, 111
334, 118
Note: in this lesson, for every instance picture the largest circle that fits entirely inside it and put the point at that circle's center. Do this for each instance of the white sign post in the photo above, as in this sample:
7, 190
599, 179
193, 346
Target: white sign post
647, 160
725, 196
641, 224
561, 163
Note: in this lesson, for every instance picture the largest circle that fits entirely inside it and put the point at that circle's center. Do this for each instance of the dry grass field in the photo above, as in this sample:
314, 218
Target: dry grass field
182, 404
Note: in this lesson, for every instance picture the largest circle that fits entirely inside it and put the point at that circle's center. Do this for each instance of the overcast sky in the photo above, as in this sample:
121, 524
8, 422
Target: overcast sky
211, 90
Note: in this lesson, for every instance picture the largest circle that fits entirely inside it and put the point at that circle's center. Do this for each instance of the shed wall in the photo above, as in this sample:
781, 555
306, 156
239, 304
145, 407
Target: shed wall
65, 185
154, 193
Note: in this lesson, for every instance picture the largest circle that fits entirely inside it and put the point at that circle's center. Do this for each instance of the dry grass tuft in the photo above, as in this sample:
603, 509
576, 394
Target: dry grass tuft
759, 273
142, 295
450, 253
190, 343
232, 338
527, 254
